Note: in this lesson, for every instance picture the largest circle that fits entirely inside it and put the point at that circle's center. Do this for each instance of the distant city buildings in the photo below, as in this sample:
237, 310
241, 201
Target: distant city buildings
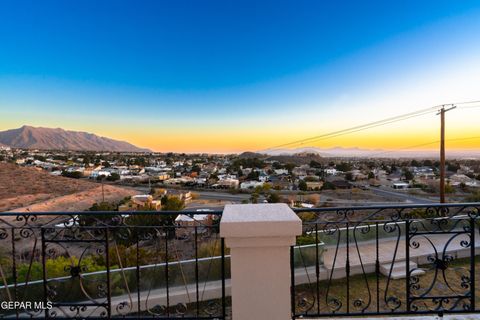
246, 174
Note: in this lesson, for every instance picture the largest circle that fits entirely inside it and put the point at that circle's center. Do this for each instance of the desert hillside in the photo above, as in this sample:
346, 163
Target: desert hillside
36, 190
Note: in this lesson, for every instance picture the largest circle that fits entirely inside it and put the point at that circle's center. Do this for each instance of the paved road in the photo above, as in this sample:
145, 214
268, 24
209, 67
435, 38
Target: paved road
400, 195
213, 195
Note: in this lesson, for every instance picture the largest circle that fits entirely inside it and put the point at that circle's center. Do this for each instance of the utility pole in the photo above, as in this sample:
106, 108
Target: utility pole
103, 191
442, 151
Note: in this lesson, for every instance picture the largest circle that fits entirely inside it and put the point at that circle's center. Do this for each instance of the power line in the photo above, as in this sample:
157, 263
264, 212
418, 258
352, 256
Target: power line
469, 107
359, 127
374, 124
369, 127
420, 145
464, 102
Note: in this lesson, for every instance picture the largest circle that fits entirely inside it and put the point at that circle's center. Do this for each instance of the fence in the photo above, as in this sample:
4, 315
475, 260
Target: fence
112, 264
381, 260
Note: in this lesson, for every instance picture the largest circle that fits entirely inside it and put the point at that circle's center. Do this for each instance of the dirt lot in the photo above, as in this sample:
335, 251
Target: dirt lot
30, 189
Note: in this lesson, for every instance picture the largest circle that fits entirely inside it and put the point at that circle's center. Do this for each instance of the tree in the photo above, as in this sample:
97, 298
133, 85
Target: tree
393, 168
277, 165
349, 176
253, 175
273, 198
344, 167
91, 220
408, 174
254, 197
328, 186
72, 174
87, 160
453, 167
427, 163
315, 164
196, 168
289, 167
103, 206
302, 185
113, 177
172, 203
39, 158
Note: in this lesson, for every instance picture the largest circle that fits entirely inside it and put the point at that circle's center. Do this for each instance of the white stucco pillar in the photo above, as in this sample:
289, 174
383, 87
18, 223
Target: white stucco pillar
259, 237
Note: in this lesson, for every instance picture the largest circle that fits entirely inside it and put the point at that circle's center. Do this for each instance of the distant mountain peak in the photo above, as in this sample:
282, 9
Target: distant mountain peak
30, 137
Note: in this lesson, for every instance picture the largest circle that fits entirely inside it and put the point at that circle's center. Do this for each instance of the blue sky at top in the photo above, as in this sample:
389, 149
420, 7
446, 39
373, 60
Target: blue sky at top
216, 59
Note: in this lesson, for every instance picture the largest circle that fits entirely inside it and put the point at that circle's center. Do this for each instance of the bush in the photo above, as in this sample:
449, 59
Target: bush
74, 174
302, 185
273, 198
305, 239
307, 216
113, 177
172, 203
127, 257
57, 267
474, 197
328, 186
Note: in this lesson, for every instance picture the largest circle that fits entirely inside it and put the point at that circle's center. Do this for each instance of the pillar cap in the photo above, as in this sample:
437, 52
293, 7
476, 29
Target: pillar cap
259, 221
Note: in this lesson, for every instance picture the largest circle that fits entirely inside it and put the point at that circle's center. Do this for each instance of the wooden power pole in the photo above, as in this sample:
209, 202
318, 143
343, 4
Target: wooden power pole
442, 151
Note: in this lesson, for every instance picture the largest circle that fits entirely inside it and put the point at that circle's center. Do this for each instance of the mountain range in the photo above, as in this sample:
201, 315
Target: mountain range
28, 137
370, 153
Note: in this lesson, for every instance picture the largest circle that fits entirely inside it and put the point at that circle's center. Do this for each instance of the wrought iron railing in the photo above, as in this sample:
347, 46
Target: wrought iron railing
383, 260
112, 264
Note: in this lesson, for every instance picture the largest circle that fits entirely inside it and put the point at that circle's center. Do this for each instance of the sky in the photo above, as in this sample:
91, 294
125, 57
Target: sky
231, 76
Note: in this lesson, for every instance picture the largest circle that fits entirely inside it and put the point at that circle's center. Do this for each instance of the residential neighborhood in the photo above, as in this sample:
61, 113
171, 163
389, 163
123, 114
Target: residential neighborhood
258, 178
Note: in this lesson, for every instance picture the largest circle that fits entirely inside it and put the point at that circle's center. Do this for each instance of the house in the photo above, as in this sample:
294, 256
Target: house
280, 182
250, 184
300, 171
423, 172
228, 183
263, 176
180, 194
400, 185
331, 171
98, 173
358, 175
189, 222
457, 179
142, 201
314, 185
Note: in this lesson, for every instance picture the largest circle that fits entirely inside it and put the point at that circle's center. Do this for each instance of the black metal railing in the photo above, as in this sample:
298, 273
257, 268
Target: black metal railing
113, 264
383, 260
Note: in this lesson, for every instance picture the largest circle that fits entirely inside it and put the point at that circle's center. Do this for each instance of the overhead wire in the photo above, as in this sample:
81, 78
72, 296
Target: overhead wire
374, 124
359, 127
419, 145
